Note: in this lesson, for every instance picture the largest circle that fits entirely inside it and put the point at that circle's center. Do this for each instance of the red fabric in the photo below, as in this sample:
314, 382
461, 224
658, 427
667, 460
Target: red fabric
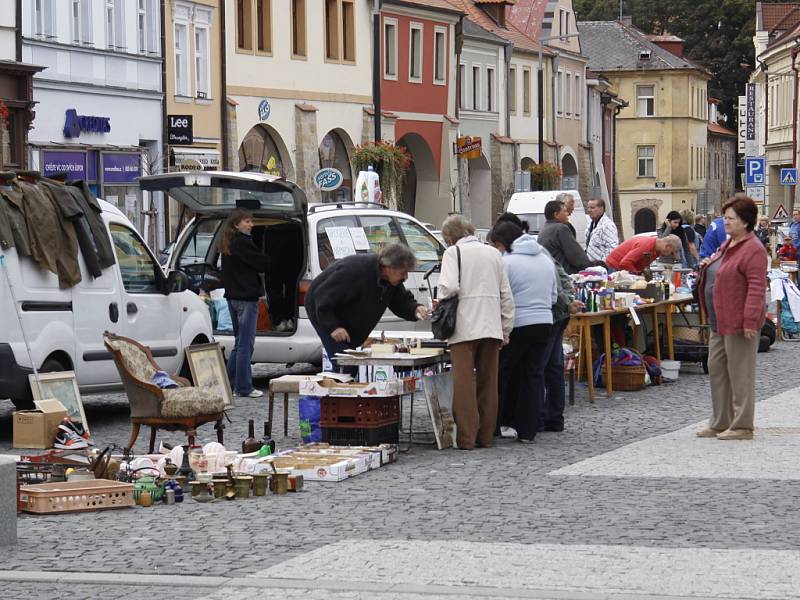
787, 251
631, 255
740, 287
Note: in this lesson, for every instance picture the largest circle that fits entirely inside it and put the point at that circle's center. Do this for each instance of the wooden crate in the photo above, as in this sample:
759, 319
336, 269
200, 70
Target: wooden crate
74, 496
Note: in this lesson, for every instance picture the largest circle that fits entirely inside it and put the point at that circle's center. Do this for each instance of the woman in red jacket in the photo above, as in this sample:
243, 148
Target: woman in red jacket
732, 291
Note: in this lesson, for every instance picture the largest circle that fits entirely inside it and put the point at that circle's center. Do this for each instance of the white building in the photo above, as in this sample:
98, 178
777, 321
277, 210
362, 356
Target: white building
300, 73
99, 100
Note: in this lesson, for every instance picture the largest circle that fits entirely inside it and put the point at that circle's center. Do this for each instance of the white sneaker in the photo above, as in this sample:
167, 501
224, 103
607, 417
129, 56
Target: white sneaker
507, 432
253, 394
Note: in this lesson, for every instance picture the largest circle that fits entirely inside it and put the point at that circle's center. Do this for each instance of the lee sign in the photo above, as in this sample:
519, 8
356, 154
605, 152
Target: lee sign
328, 179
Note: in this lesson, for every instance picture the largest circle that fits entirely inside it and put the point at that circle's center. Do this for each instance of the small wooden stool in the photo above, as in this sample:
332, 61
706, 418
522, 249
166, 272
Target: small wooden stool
287, 384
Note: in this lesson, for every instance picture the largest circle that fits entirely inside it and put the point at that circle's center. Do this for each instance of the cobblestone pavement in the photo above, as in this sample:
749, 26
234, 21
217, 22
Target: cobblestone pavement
502, 495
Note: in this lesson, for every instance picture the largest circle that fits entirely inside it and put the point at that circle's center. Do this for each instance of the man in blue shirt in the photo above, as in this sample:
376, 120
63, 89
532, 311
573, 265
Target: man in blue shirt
794, 228
715, 235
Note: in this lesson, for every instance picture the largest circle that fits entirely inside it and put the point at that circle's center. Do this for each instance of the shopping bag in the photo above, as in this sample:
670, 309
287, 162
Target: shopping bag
309, 419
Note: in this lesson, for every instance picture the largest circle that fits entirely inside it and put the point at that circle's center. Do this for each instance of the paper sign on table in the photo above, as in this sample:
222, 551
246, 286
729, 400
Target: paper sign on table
635, 315
360, 241
341, 242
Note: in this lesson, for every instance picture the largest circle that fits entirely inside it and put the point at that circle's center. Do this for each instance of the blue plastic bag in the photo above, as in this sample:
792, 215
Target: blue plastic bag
309, 419
224, 322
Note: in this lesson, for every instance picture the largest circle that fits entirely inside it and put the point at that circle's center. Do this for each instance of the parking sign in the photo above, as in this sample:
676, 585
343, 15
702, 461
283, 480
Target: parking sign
754, 168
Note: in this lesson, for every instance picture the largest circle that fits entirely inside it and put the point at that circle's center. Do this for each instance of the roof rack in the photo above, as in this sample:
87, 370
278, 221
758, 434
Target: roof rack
328, 205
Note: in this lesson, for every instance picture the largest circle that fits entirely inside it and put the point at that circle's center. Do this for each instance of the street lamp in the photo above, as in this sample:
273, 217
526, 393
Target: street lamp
540, 83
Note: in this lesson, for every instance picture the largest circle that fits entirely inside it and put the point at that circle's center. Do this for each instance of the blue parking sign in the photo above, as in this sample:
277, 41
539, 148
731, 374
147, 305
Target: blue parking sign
754, 169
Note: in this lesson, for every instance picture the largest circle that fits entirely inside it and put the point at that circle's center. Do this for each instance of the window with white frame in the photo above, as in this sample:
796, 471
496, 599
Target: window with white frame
389, 49
115, 24
512, 89
560, 92
415, 53
439, 55
80, 22
462, 82
141, 26
44, 14
202, 60
181, 33
645, 101
526, 91
476, 87
563, 22
490, 89
568, 94
646, 161
147, 27
578, 95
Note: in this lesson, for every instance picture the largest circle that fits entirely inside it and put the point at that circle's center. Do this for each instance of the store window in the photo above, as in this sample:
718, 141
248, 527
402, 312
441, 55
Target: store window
138, 269
259, 152
333, 153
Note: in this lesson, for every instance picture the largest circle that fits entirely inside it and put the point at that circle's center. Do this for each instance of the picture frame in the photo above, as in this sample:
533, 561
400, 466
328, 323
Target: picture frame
439, 396
208, 369
63, 386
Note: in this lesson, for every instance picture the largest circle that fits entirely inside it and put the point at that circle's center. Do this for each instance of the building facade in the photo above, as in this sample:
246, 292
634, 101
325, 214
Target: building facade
299, 80
99, 100
662, 136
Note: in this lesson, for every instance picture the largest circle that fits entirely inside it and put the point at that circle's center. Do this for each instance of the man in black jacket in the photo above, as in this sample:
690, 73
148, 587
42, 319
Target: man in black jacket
346, 300
559, 240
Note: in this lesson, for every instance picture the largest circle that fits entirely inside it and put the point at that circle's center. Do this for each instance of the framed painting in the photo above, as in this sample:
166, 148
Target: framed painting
63, 386
209, 371
439, 395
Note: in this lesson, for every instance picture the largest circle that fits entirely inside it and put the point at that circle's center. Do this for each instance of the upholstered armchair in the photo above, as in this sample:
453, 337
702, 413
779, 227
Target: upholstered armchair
175, 409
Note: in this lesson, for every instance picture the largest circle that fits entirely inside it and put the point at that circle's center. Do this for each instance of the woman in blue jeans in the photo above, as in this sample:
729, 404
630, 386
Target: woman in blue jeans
242, 266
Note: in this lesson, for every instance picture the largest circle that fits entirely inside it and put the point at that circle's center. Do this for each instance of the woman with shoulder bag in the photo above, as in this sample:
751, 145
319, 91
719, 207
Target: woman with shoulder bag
484, 320
732, 292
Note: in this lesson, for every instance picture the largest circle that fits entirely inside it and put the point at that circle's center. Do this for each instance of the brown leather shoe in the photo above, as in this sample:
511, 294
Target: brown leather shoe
735, 434
707, 432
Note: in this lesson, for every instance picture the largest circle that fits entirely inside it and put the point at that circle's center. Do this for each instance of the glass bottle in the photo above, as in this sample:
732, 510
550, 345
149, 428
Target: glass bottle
250, 444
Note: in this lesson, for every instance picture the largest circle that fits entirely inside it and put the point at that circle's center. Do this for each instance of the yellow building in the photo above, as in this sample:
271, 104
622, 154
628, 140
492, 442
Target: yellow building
662, 135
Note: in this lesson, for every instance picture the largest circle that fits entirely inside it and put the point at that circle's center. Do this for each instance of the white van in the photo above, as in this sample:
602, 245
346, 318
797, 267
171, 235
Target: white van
297, 238
132, 297
529, 206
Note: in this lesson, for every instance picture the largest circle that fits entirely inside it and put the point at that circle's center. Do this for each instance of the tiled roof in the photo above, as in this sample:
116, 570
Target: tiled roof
770, 16
510, 33
528, 15
614, 46
495, 1
431, 4
720, 130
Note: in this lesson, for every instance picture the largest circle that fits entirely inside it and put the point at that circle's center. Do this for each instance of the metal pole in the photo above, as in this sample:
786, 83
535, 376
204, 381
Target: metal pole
540, 102
376, 68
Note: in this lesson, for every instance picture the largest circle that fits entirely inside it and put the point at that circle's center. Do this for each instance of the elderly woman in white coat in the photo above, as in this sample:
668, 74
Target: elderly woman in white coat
484, 321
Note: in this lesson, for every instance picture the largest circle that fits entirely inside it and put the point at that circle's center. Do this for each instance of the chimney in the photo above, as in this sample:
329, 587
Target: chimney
671, 43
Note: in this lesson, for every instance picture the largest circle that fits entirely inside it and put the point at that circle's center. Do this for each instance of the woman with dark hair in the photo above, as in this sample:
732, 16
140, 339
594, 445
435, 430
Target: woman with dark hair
242, 266
673, 225
534, 288
732, 290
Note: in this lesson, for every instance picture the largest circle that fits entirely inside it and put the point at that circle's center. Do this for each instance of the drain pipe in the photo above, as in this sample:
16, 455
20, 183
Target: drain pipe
795, 52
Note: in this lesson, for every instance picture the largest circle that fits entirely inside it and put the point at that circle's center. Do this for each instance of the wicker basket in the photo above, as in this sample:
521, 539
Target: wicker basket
626, 379
71, 496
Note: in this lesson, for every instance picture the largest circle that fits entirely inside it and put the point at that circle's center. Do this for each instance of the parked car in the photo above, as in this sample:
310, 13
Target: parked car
133, 297
529, 206
298, 239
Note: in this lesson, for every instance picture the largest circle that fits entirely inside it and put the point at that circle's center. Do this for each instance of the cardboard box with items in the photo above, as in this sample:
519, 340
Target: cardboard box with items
38, 428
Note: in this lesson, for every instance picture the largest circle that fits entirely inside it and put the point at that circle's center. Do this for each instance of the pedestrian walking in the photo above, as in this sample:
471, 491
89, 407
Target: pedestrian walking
732, 291
713, 238
345, 302
484, 320
242, 267
532, 277
559, 239
602, 235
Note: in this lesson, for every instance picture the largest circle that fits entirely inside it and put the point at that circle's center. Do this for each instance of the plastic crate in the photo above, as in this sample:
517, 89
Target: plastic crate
362, 436
73, 496
353, 412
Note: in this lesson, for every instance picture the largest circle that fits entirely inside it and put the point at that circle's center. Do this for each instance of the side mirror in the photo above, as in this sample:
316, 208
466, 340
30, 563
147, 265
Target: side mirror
177, 281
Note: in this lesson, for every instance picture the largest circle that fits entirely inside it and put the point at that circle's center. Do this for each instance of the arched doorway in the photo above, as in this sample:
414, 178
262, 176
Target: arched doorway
480, 192
527, 163
263, 150
334, 152
569, 173
421, 189
644, 221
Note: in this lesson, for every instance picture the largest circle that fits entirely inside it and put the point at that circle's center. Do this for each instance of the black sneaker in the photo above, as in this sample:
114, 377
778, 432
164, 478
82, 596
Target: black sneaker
69, 425
69, 440
554, 427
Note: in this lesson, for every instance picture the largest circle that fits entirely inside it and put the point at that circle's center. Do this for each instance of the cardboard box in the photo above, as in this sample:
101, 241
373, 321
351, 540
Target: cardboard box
329, 387
38, 428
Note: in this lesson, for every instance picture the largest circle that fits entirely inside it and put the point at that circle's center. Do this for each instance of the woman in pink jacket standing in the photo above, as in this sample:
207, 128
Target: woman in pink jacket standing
732, 291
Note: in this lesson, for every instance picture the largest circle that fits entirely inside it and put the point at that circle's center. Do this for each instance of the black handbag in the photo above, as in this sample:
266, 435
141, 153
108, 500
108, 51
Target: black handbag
443, 320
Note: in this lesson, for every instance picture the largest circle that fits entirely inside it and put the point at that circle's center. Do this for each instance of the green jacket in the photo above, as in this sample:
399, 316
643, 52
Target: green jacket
13, 228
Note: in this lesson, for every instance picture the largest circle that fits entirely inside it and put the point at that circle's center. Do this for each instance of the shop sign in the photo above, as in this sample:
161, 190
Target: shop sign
75, 124
180, 129
328, 179
121, 168
192, 161
468, 147
60, 161
264, 109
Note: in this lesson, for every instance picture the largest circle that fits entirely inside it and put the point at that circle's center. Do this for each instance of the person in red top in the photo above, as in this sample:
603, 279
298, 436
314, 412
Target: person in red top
732, 292
636, 254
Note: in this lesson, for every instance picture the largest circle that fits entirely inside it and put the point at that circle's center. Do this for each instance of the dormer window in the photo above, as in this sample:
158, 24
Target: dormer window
496, 10
644, 55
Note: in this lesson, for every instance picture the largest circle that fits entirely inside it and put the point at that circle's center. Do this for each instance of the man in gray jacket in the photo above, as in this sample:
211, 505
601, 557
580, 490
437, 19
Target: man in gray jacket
559, 240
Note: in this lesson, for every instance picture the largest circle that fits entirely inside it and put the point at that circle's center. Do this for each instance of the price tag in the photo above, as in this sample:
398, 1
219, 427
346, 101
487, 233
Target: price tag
634, 315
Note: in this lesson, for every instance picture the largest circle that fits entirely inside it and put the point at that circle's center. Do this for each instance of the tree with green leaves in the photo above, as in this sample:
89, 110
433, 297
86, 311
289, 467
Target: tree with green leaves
718, 35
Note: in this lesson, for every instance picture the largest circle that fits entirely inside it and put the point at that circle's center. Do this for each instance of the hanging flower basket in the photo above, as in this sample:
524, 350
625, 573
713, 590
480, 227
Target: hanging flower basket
4, 114
545, 176
391, 162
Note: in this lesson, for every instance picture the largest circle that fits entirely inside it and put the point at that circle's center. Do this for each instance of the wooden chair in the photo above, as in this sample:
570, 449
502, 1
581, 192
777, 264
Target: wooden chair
175, 409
